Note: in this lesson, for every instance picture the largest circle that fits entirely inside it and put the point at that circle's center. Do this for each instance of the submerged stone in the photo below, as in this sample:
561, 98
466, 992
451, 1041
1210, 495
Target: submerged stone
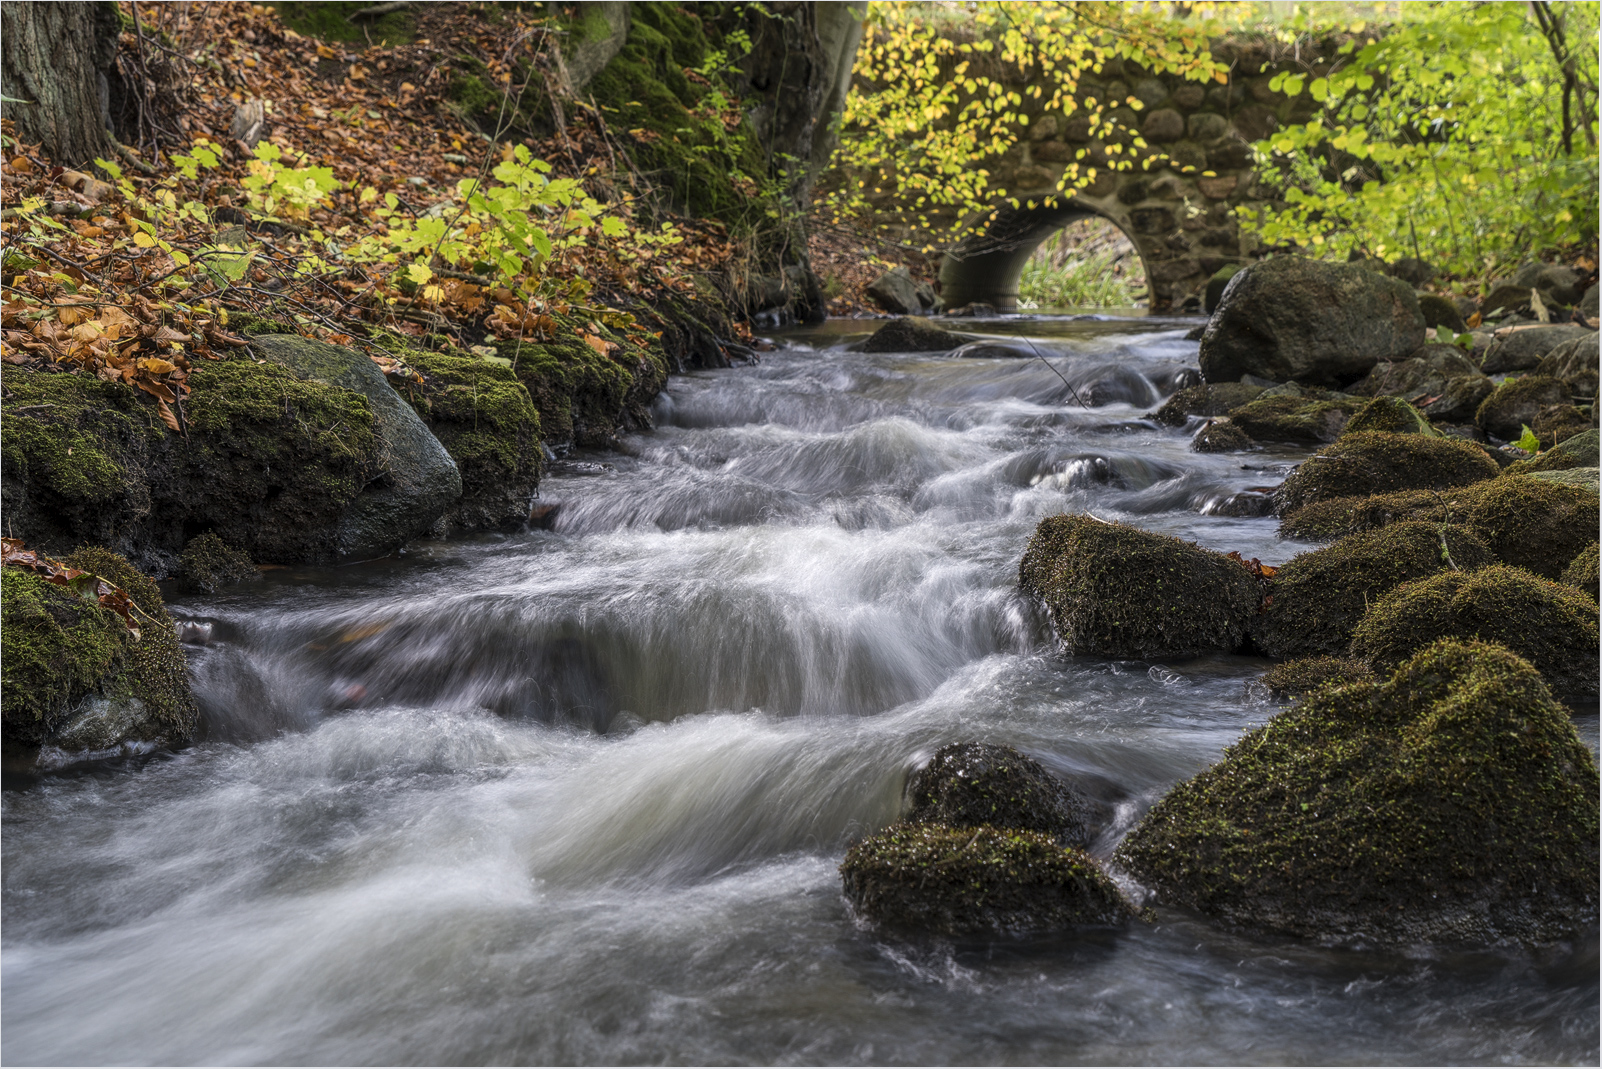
1552, 626
1376, 462
968, 784
1450, 803
974, 881
1318, 597
1116, 591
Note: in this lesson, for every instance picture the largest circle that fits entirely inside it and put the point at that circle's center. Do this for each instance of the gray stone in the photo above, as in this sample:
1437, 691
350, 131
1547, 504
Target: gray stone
1321, 324
897, 292
1588, 304
420, 479
1575, 362
1151, 92
911, 334
1163, 125
1413, 272
1514, 405
1521, 350
1207, 126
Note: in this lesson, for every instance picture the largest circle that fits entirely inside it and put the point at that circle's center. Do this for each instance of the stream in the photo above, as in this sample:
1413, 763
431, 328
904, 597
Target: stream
578, 794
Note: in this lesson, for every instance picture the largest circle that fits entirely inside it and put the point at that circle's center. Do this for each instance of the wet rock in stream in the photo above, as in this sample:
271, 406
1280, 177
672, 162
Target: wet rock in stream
969, 784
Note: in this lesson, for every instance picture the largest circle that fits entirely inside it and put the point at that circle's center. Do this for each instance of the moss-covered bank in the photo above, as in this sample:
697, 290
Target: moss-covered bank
1452, 803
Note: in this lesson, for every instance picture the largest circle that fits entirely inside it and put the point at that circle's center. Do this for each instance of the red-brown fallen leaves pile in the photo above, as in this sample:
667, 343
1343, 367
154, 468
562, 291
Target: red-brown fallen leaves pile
89, 587
90, 283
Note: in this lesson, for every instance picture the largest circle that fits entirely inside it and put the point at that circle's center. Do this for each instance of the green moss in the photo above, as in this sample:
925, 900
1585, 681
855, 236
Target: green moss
330, 20
1295, 679
1390, 414
1319, 597
1576, 451
1221, 436
1375, 462
1582, 571
1116, 591
486, 420
208, 563
956, 881
1307, 420
1552, 626
1516, 403
250, 324
1214, 399
969, 784
583, 397
1559, 423
1451, 803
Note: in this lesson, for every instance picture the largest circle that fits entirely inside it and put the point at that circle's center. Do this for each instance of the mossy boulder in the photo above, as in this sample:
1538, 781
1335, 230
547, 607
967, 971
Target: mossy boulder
1576, 451
76, 678
911, 334
208, 563
487, 422
1582, 571
968, 784
1521, 350
1390, 414
1450, 803
1310, 419
1559, 423
584, 397
1574, 363
1552, 626
1319, 597
1441, 380
1208, 400
976, 881
1221, 436
1584, 478
1376, 462
1515, 404
1302, 676
1116, 591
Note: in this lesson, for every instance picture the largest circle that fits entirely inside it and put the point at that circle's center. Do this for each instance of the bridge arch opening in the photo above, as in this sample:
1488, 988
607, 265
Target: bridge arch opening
1089, 263
989, 267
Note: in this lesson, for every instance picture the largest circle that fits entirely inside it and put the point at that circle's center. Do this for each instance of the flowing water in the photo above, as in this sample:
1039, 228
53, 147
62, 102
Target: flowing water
579, 794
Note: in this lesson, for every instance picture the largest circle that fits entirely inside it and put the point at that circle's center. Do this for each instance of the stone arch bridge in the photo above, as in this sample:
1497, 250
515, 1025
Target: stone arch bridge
1177, 204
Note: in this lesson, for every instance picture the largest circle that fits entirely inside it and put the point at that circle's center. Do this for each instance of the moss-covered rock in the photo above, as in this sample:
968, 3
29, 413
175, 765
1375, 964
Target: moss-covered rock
1552, 626
1577, 451
1575, 364
75, 677
1452, 803
1376, 462
1319, 597
1211, 399
973, 881
1558, 423
1390, 414
1221, 436
1306, 420
208, 563
1515, 404
1582, 571
968, 784
1582, 478
486, 420
583, 397
1116, 591
1295, 679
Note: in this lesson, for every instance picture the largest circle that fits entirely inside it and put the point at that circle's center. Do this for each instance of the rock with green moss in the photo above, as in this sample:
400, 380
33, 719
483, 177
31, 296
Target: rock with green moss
1558, 423
208, 563
1208, 400
486, 420
1377, 462
1221, 436
1577, 451
1584, 478
419, 479
1116, 591
1390, 414
1451, 803
1574, 363
585, 398
968, 784
1552, 626
75, 677
1319, 597
976, 881
911, 334
1515, 404
1305, 420
1215, 286
1582, 571
1298, 678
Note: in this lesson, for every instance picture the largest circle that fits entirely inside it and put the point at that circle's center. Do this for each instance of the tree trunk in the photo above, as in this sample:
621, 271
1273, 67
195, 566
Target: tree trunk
55, 57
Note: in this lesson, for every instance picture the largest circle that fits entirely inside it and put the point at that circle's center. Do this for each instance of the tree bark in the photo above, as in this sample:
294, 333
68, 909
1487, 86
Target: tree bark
55, 57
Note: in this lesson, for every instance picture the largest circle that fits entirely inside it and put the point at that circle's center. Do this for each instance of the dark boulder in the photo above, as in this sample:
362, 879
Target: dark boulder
1377, 462
911, 334
1221, 436
1514, 405
1116, 591
1321, 324
1298, 678
1552, 626
968, 784
1206, 400
1441, 312
898, 293
976, 881
1559, 423
1215, 291
1450, 803
1317, 598
1574, 362
1309, 419
1523, 349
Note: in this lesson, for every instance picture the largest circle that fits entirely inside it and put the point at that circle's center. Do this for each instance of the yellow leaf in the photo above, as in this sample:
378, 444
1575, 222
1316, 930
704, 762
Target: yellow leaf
419, 273
156, 365
143, 240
